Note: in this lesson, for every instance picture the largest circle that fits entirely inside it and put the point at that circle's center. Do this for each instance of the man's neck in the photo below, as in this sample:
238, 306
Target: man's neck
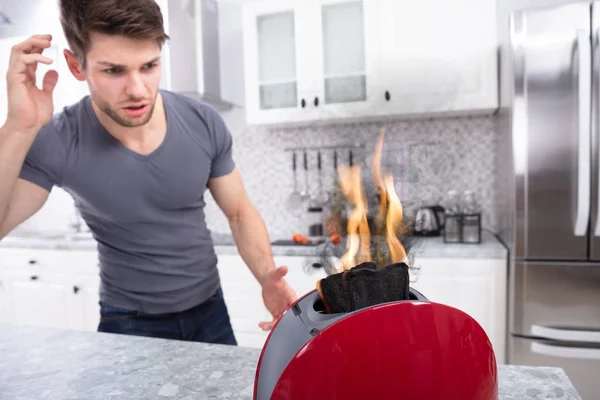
140, 135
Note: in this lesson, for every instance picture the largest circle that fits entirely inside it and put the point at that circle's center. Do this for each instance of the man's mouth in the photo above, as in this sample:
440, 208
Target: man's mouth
136, 109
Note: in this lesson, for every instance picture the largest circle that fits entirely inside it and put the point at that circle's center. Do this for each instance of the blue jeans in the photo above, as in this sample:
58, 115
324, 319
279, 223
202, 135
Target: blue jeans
207, 322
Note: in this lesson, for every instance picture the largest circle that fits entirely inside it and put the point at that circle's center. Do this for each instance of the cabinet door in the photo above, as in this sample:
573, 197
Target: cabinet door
438, 56
243, 298
345, 57
40, 299
276, 66
86, 302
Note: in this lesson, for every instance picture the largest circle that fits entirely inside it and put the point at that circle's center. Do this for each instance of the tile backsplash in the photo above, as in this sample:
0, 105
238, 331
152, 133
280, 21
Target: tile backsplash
426, 157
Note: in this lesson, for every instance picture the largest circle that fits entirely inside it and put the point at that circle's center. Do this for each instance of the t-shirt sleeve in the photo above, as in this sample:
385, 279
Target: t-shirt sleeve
45, 160
222, 162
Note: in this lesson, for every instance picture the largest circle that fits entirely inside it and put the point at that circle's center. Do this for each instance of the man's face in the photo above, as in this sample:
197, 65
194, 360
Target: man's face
123, 76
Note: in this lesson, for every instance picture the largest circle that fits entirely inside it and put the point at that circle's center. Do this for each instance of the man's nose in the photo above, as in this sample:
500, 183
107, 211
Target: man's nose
135, 86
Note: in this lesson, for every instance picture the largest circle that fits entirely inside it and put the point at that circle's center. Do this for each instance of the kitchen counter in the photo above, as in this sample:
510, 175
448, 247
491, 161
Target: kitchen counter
43, 363
426, 247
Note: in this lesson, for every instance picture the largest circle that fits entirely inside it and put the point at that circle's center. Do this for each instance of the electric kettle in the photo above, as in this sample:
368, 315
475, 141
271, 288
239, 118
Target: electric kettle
429, 221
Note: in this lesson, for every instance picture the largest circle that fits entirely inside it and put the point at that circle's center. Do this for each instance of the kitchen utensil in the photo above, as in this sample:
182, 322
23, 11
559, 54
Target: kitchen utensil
295, 199
306, 192
375, 353
321, 197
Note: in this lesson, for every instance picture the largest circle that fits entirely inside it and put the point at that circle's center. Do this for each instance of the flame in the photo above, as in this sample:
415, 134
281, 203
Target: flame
390, 213
359, 235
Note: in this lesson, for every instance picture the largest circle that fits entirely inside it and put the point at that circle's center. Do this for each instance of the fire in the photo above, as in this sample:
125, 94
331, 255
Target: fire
389, 214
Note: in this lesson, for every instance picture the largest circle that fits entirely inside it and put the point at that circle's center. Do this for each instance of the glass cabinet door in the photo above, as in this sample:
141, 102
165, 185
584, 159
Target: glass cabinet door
277, 75
343, 44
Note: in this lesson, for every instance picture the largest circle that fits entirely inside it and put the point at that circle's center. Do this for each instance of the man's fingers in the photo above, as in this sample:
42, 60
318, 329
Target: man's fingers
23, 61
266, 326
35, 44
281, 272
50, 80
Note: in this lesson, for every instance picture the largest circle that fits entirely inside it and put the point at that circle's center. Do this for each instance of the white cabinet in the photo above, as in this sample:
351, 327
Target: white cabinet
243, 299
319, 60
276, 70
474, 286
49, 288
438, 56
308, 60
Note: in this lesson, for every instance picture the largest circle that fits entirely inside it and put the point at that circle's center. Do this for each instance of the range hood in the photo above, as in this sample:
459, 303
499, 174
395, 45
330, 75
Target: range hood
193, 50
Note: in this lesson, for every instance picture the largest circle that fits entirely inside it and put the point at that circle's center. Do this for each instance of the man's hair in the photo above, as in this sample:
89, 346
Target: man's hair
136, 19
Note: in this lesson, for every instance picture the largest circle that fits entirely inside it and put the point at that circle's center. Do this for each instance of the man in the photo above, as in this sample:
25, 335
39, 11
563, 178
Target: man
137, 161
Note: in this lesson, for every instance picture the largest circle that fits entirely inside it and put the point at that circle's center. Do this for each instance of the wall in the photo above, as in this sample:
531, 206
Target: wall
427, 158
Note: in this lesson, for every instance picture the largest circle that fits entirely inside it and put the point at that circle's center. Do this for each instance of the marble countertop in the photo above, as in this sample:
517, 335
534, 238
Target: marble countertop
426, 247
43, 363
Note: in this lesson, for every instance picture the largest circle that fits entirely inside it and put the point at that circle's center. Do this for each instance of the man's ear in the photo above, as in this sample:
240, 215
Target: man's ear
74, 65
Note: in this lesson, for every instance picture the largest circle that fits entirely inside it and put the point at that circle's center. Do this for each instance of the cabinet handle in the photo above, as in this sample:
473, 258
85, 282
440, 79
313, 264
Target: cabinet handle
34, 277
303, 103
31, 262
75, 289
387, 95
316, 101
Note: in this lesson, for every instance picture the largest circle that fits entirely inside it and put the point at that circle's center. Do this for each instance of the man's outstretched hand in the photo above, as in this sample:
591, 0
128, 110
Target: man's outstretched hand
277, 295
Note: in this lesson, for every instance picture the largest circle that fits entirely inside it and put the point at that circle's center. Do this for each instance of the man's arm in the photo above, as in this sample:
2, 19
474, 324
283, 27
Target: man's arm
247, 226
19, 199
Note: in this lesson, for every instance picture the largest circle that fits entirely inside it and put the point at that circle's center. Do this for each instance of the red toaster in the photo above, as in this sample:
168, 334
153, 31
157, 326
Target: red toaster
413, 349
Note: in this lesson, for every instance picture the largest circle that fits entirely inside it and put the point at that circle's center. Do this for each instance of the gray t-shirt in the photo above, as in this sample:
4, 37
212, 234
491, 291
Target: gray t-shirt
145, 211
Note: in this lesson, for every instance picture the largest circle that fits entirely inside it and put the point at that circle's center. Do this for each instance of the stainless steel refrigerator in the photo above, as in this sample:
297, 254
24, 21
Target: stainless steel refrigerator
554, 292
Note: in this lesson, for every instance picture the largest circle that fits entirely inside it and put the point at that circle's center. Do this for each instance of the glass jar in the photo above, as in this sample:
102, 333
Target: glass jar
452, 218
471, 223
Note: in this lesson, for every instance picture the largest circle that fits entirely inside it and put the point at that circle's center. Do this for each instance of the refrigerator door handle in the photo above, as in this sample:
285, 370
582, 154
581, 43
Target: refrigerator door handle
597, 225
565, 352
565, 334
584, 157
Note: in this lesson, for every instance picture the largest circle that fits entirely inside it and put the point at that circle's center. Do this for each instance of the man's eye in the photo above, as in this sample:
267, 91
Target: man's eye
112, 71
150, 66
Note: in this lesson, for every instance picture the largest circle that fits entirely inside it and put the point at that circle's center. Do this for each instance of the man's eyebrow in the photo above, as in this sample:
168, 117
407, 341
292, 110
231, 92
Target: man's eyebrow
113, 65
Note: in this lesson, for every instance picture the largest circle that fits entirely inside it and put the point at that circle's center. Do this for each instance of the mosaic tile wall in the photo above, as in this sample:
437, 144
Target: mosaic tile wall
426, 157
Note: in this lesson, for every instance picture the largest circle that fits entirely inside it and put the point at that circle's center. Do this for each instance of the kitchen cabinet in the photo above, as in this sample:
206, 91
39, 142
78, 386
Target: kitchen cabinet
308, 60
49, 288
59, 288
321, 60
438, 56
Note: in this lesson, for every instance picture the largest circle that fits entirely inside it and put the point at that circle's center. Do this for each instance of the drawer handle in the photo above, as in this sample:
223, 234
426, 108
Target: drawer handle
34, 277
31, 262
